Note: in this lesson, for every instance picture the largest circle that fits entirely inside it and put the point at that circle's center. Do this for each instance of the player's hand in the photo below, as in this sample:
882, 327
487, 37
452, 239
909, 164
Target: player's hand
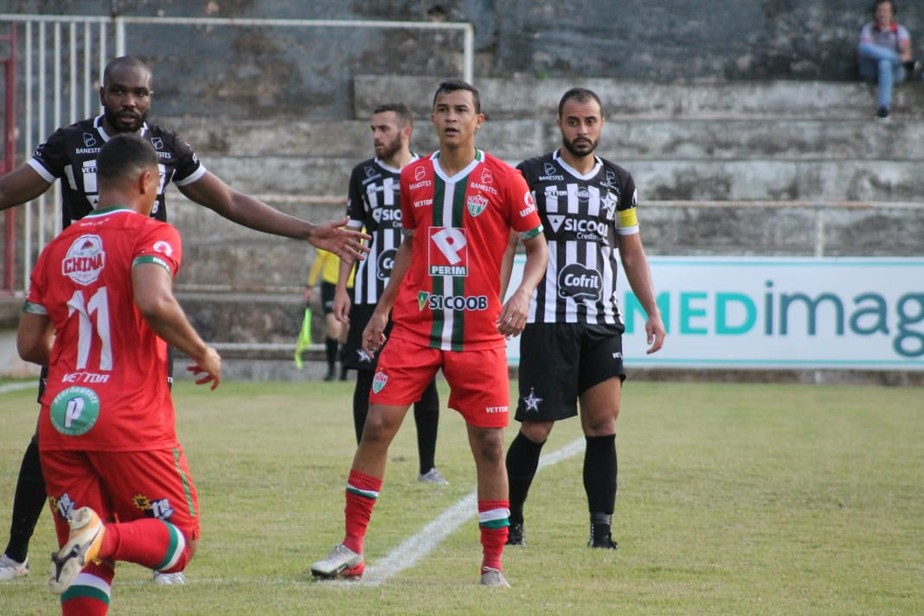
208, 365
654, 330
345, 243
342, 305
512, 318
374, 334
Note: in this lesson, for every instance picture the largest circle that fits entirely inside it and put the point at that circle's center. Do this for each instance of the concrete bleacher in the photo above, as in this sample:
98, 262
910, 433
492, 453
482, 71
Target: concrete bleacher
774, 168
766, 168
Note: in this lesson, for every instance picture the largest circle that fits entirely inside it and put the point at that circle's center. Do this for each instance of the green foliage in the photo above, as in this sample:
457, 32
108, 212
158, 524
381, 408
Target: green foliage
733, 499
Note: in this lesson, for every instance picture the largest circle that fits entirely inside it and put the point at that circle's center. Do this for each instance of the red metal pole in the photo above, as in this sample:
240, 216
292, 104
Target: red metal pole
9, 159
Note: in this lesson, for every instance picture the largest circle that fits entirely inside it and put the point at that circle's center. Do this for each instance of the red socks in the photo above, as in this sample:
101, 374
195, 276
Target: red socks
493, 521
361, 493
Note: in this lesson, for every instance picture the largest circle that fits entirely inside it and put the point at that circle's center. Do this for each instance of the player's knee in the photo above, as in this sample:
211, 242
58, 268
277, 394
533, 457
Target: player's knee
537, 431
380, 427
488, 446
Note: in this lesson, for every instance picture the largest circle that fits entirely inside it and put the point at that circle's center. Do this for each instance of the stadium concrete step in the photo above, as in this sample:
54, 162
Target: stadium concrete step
776, 169
530, 97
660, 178
346, 142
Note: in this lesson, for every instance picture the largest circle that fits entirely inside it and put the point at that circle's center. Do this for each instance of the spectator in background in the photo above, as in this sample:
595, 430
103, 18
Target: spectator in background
884, 54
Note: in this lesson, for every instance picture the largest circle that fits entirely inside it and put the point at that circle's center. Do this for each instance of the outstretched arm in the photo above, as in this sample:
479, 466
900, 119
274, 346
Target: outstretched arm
213, 193
20, 186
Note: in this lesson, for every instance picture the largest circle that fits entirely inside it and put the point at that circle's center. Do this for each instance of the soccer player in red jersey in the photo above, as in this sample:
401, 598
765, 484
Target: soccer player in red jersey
100, 313
460, 208
126, 96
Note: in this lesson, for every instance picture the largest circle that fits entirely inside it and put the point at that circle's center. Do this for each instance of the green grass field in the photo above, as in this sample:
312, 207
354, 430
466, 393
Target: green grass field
733, 499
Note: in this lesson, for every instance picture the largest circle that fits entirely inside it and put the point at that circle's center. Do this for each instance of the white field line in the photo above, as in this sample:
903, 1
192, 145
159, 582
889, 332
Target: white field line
5, 389
418, 546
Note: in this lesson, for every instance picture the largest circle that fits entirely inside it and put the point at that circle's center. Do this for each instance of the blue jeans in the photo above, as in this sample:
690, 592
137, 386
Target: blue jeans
883, 66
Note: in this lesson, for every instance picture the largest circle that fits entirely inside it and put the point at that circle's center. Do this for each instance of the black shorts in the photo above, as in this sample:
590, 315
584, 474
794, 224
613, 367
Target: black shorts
559, 362
354, 357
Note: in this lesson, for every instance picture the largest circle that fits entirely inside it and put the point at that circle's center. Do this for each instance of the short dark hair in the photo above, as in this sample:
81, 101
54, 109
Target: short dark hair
879, 2
453, 85
582, 95
123, 155
405, 118
127, 62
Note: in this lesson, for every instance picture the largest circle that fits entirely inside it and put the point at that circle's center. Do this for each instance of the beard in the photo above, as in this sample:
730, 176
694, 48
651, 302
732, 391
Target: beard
120, 125
585, 147
388, 149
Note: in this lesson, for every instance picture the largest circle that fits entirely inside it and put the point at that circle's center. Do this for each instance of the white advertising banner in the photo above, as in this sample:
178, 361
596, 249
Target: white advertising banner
785, 313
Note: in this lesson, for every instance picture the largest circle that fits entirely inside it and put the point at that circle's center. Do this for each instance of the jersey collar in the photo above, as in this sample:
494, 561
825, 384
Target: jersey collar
556, 156
108, 210
479, 157
98, 125
391, 169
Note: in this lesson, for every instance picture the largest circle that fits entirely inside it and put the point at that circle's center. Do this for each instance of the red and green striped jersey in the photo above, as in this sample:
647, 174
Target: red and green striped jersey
106, 389
450, 297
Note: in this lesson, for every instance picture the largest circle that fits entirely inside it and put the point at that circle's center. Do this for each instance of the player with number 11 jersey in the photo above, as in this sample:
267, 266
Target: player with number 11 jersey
109, 358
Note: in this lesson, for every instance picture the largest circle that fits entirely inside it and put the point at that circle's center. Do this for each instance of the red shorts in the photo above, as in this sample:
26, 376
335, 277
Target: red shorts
122, 486
479, 388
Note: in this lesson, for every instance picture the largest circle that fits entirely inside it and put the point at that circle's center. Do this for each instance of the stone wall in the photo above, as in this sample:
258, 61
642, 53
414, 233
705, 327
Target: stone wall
307, 73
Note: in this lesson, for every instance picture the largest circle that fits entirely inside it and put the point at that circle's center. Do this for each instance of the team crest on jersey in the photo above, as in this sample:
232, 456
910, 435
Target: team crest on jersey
608, 204
85, 259
447, 251
379, 381
476, 204
163, 248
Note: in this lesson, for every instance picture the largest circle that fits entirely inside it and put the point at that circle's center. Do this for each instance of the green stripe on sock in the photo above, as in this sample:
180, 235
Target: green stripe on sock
495, 524
85, 592
172, 547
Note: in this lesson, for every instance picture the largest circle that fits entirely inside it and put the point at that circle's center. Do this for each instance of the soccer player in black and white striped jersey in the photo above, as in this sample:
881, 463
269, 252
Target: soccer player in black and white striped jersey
571, 348
374, 204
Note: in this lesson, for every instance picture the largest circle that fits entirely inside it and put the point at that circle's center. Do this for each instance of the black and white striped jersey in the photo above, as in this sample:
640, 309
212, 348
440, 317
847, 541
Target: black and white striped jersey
70, 153
582, 215
374, 203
